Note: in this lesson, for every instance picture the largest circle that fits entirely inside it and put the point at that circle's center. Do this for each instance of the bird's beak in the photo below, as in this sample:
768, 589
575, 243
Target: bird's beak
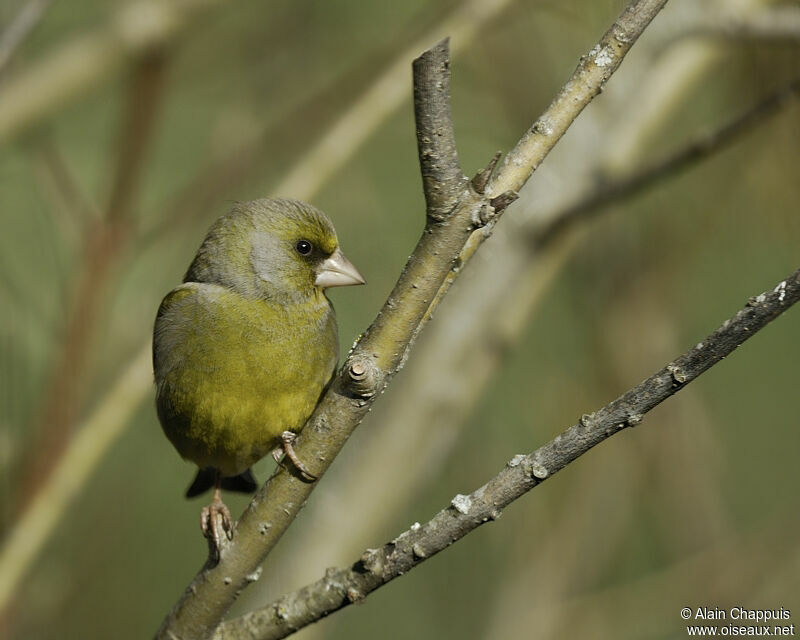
337, 271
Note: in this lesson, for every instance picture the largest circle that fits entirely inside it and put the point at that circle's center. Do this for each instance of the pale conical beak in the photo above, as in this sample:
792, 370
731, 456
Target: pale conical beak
337, 271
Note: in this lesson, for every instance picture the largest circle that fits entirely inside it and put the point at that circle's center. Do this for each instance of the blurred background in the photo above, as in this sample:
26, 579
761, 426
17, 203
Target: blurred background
127, 127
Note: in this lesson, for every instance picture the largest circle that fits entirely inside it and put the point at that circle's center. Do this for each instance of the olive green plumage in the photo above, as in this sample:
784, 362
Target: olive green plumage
244, 348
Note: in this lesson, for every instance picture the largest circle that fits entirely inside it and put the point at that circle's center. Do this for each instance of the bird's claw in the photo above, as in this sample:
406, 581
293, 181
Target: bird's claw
287, 440
216, 521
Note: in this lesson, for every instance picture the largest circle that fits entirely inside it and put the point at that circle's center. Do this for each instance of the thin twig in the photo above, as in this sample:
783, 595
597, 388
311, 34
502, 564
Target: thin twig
376, 567
701, 147
586, 82
382, 349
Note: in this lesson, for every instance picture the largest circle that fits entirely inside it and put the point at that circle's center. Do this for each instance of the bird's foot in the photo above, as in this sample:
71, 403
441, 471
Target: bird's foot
287, 440
216, 521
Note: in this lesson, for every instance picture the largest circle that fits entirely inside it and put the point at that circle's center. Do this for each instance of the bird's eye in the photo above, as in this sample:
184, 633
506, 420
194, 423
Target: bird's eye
303, 247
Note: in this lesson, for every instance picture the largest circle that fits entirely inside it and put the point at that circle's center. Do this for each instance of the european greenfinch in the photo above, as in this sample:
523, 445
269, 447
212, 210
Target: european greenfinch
243, 349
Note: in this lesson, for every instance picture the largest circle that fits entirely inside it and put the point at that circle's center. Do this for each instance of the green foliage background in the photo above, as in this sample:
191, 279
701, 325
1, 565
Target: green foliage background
698, 507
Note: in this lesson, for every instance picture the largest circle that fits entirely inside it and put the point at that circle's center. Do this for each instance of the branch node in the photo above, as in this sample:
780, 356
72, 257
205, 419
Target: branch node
255, 575
516, 460
498, 203
539, 471
483, 176
754, 301
462, 503
634, 419
485, 213
679, 376
362, 376
281, 610
588, 420
354, 595
372, 561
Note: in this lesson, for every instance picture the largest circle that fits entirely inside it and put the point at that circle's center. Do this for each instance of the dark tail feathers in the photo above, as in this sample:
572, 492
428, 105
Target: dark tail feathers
207, 479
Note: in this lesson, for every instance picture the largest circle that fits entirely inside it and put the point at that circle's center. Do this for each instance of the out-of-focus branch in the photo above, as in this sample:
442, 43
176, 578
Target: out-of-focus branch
105, 240
107, 421
349, 132
382, 350
44, 491
586, 82
137, 29
771, 25
768, 549
378, 102
26, 20
376, 567
701, 147
86, 450
73, 209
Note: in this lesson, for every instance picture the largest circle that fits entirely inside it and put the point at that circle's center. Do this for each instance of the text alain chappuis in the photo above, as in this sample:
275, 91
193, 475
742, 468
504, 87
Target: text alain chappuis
738, 621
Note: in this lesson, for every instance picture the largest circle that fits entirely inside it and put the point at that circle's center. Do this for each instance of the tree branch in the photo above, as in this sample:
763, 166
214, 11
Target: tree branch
442, 178
699, 148
587, 81
382, 349
344, 586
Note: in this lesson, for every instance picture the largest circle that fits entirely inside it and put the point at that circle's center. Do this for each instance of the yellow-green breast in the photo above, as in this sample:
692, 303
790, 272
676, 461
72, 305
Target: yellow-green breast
234, 372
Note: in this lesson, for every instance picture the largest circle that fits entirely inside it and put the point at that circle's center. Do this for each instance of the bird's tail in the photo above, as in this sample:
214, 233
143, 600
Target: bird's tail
206, 478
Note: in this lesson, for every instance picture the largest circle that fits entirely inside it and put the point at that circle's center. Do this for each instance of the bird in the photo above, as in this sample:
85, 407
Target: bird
244, 348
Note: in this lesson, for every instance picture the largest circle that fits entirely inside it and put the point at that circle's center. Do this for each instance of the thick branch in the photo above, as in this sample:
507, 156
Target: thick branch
376, 567
379, 353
